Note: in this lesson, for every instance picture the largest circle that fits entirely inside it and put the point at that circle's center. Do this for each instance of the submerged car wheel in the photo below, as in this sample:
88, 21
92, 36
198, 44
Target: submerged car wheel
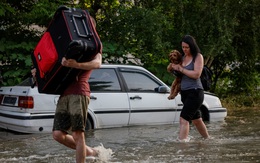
89, 125
204, 113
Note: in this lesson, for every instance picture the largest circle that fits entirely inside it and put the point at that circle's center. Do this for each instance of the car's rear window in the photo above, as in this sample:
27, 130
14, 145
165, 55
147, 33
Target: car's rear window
26, 82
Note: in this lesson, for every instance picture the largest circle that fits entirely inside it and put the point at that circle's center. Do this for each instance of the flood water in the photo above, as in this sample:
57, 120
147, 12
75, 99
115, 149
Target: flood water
237, 139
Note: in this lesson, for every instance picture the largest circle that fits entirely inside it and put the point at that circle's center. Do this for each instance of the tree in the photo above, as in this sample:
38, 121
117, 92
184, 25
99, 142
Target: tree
227, 33
20, 29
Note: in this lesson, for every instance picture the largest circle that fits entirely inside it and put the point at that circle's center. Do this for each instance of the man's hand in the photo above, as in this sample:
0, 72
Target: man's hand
95, 63
33, 79
69, 63
33, 71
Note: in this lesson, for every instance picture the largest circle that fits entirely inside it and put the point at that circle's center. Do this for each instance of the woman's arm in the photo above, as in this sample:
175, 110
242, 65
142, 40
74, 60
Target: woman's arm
169, 68
198, 66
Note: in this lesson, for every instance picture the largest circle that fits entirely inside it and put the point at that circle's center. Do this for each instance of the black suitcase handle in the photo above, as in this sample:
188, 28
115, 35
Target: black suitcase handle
82, 18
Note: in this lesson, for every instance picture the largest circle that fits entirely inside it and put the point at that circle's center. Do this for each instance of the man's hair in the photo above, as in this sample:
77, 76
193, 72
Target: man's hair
93, 21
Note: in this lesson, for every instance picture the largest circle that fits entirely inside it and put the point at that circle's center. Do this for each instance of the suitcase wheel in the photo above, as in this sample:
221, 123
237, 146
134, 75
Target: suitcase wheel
75, 45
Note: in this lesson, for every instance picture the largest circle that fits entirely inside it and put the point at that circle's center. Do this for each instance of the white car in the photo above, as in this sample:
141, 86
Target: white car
122, 95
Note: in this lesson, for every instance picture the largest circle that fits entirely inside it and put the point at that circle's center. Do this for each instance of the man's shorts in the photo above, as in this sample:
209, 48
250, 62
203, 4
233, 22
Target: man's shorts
192, 100
71, 113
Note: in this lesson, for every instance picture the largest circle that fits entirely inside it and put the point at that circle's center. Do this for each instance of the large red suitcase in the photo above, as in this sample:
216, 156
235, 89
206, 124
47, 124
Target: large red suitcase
70, 34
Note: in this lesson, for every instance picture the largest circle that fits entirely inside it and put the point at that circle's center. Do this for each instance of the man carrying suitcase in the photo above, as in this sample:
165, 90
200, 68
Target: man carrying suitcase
71, 110
75, 101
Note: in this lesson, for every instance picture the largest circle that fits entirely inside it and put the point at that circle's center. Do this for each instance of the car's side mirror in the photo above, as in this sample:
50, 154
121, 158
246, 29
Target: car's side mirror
162, 89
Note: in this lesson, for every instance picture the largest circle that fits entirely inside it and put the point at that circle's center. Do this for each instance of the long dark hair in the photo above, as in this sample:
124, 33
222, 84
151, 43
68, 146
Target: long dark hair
194, 48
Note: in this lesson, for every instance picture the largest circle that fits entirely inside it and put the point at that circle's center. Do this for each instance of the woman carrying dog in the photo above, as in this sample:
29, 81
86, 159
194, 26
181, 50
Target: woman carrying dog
192, 93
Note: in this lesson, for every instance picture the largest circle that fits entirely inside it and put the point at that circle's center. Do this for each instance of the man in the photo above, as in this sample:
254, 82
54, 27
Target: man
72, 107
71, 111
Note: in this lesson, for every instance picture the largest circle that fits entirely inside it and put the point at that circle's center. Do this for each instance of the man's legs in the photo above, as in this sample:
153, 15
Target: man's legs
69, 141
71, 112
79, 138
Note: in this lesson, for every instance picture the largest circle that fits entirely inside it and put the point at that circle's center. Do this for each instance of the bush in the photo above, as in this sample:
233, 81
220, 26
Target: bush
242, 100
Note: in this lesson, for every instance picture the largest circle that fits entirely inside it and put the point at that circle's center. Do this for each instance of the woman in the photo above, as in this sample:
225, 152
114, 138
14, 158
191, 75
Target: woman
192, 93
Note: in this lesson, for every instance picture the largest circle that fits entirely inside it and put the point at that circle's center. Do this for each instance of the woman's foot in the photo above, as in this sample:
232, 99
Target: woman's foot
184, 140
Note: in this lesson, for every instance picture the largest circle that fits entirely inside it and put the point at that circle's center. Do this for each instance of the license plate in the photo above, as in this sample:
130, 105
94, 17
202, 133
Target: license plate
9, 100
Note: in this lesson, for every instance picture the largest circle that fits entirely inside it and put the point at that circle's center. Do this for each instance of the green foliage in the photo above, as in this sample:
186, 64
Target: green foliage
140, 32
4, 7
19, 37
16, 62
227, 33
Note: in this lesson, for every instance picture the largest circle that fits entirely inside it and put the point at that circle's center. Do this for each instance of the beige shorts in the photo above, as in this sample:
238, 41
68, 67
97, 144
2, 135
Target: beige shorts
71, 113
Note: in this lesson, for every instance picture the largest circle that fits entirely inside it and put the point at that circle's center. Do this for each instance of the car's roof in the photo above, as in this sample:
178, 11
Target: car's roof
120, 66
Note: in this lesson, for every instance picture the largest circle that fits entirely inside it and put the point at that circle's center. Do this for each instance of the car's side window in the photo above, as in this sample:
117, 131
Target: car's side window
104, 80
137, 81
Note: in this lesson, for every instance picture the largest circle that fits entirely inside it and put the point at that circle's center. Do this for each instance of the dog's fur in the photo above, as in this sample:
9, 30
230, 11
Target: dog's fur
176, 58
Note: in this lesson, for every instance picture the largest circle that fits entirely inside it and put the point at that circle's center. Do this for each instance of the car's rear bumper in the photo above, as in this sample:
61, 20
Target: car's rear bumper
27, 122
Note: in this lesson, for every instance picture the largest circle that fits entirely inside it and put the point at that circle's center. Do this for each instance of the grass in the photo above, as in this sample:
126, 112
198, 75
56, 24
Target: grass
242, 101
241, 108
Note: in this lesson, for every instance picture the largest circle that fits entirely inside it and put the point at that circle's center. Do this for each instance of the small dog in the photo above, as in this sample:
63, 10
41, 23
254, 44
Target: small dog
176, 58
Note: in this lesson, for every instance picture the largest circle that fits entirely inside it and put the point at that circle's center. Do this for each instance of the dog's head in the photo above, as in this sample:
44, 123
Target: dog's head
175, 57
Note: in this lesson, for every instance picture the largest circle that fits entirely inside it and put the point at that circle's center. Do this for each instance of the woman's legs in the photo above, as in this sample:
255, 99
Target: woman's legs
192, 100
201, 127
184, 129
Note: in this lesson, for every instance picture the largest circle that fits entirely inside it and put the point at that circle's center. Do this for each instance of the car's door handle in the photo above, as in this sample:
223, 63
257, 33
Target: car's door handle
93, 97
135, 97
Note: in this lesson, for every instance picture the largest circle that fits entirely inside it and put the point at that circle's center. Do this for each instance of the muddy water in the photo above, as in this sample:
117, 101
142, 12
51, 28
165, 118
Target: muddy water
235, 140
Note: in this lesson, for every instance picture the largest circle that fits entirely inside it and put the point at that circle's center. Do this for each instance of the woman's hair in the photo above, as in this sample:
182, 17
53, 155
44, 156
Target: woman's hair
194, 48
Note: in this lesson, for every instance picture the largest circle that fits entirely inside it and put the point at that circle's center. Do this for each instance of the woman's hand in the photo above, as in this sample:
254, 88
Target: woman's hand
169, 68
177, 67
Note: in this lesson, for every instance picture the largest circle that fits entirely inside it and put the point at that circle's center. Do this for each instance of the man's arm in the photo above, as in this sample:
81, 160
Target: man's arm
93, 64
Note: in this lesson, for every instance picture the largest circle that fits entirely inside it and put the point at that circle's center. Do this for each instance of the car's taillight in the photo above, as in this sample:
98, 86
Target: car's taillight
25, 102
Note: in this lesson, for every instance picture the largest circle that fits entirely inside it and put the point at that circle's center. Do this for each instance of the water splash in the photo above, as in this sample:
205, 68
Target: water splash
105, 154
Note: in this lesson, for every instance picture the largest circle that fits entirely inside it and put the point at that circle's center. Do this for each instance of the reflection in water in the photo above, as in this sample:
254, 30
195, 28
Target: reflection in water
235, 140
